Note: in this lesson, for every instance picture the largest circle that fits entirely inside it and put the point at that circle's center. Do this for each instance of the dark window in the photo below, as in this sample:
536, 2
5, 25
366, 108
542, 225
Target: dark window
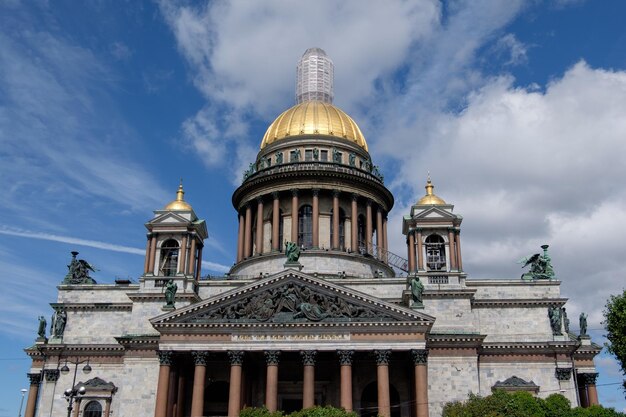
92, 409
435, 253
323, 155
169, 258
342, 226
361, 233
308, 155
305, 226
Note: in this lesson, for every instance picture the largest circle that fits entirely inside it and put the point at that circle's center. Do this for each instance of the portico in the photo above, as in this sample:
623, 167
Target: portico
319, 333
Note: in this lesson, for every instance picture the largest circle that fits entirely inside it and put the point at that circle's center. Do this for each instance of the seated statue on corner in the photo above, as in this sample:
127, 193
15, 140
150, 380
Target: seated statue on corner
78, 271
292, 251
170, 293
540, 266
417, 291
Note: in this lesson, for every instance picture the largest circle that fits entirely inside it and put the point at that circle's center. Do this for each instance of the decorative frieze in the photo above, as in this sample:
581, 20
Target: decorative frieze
382, 357
345, 357
272, 357
308, 357
236, 357
420, 356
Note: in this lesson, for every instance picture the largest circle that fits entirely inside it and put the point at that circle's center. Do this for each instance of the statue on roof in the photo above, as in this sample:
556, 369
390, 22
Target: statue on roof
78, 271
292, 251
540, 266
417, 292
582, 321
41, 331
57, 324
170, 293
554, 314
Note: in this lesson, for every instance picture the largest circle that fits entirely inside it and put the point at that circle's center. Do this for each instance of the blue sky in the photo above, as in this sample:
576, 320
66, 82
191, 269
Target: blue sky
516, 108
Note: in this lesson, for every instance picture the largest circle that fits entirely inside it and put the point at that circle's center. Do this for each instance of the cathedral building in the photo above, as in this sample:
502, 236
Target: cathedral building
316, 310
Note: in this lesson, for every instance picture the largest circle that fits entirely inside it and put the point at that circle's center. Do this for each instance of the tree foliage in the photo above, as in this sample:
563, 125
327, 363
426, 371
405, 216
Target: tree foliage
615, 324
307, 412
522, 404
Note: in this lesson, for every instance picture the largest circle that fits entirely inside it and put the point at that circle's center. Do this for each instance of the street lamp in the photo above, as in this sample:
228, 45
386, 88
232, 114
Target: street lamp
71, 393
23, 391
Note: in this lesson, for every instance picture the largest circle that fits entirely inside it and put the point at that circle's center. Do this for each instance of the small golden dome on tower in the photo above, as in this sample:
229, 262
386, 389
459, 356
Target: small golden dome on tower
314, 118
179, 204
430, 198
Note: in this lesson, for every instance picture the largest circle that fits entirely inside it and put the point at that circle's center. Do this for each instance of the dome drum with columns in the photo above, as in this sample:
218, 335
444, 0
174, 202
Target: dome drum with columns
339, 327
314, 175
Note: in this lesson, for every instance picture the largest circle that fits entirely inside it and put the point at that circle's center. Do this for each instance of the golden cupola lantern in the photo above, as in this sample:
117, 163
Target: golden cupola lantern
179, 204
430, 198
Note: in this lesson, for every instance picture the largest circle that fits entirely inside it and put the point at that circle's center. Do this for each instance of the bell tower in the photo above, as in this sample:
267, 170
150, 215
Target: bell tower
174, 248
433, 239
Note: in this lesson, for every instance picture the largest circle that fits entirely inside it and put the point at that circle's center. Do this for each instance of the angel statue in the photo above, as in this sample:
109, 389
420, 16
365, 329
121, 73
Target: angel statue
540, 266
78, 271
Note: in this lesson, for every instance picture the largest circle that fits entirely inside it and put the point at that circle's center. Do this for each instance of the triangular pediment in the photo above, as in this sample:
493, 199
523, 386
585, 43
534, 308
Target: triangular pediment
435, 212
291, 297
168, 218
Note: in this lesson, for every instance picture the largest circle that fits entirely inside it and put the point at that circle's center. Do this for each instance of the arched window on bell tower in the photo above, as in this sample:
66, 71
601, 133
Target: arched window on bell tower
305, 226
435, 253
169, 258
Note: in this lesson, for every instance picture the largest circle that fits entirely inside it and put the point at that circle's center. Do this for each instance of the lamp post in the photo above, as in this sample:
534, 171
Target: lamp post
23, 391
71, 393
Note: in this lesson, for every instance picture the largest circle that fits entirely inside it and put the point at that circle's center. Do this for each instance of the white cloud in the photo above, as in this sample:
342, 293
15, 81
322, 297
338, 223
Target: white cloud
242, 53
517, 51
61, 145
4, 230
527, 167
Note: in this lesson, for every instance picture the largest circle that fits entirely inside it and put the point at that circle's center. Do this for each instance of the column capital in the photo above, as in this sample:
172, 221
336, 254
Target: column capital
382, 356
294, 192
589, 377
420, 356
236, 357
272, 357
336, 193
200, 357
34, 378
563, 374
316, 192
345, 357
275, 195
259, 199
355, 197
166, 357
52, 375
308, 357
368, 202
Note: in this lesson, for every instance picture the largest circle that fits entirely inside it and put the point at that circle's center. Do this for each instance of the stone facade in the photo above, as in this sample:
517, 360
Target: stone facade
346, 323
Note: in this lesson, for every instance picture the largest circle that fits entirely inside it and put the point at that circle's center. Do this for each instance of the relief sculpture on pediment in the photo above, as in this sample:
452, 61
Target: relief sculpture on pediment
288, 303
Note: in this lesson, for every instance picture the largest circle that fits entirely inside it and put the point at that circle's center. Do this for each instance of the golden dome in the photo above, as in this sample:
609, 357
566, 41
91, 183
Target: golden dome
430, 198
179, 204
314, 118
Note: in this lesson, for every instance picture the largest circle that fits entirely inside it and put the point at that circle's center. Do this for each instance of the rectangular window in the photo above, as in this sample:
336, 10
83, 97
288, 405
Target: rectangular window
308, 155
323, 155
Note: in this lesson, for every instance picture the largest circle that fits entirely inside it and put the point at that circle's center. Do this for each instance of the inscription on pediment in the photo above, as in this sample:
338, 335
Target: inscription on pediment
287, 303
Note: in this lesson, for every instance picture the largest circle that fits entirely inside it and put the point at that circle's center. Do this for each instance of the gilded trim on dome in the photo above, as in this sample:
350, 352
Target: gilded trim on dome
314, 118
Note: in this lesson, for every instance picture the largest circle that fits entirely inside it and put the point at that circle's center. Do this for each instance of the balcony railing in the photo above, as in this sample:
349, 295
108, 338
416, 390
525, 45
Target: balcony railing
313, 166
